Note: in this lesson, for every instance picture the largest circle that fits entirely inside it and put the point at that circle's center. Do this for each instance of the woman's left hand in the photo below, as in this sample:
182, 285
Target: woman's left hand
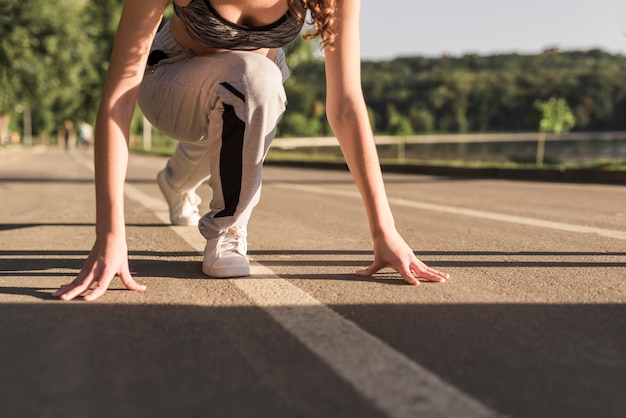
392, 251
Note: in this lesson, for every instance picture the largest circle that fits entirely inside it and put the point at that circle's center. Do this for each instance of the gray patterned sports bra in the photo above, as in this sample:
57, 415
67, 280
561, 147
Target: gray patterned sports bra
207, 27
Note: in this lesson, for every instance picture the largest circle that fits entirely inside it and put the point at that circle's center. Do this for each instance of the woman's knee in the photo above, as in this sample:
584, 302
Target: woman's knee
260, 79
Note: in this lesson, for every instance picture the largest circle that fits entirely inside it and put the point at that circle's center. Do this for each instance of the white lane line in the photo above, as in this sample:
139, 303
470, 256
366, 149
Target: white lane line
394, 383
494, 216
390, 380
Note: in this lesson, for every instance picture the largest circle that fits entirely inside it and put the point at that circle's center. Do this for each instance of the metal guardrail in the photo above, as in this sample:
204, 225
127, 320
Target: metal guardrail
291, 143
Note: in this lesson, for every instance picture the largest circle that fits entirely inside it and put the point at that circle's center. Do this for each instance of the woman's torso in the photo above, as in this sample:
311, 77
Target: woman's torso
211, 26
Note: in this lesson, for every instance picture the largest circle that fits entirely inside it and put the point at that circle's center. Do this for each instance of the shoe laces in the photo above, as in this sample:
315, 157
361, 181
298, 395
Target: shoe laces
234, 241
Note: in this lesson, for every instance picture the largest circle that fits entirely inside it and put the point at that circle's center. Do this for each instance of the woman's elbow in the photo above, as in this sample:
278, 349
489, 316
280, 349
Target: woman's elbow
346, 113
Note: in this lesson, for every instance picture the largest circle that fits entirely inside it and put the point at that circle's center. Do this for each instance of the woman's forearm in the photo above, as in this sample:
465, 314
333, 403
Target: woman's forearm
348, 117
111, 161
353, 131
138, 24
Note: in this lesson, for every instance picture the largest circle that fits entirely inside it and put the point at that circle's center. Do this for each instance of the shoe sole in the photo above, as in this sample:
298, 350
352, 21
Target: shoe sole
226, 272
186, 223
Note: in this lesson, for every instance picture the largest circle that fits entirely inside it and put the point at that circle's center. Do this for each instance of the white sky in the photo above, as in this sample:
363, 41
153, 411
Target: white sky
392, 28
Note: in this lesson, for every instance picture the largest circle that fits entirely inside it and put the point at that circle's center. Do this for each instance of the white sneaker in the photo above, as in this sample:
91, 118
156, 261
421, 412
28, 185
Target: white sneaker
183, 205
225, 255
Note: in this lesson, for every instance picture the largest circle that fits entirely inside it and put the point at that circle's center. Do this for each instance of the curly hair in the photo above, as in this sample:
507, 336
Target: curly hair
322, 18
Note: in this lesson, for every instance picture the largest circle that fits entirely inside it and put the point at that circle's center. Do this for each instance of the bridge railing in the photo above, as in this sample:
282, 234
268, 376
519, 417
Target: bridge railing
573, 146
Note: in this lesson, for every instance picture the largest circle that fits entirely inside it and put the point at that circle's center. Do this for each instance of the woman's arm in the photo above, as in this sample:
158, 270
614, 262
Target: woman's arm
348, 117
109, 255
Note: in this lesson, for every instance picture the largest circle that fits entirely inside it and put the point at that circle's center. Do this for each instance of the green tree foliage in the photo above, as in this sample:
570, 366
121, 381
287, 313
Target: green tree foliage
485, 93
46, 59
482, 94
306, 110
54, 56
399, 125
552, 116
101, 20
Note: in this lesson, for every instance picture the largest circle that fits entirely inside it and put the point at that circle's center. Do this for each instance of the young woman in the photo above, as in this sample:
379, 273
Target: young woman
212, 78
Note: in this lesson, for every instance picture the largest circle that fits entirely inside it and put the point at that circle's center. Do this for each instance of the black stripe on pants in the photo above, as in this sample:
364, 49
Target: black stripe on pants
231, 160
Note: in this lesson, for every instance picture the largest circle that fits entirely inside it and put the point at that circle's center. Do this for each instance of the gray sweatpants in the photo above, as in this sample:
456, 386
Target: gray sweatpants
223, 108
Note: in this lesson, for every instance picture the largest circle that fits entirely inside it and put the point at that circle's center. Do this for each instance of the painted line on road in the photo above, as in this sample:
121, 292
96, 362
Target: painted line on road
398, 386
493, 216
394, 383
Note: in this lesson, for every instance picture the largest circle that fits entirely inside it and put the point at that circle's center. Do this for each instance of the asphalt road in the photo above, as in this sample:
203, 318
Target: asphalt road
532, 322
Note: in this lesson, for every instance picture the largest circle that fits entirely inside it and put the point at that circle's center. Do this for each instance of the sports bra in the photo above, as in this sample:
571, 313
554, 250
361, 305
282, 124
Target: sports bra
207, 27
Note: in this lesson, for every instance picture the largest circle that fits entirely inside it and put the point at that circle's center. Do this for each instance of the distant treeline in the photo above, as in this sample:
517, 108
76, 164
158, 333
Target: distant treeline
470, 93
54, 56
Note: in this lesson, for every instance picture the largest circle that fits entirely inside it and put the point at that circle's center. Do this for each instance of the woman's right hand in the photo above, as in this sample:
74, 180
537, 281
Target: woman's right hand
108, 257
138, 24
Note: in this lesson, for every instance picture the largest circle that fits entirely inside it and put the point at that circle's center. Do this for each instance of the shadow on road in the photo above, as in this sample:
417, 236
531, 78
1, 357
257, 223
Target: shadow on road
69, 180
8, 227
465, 259
186, 264
77, 360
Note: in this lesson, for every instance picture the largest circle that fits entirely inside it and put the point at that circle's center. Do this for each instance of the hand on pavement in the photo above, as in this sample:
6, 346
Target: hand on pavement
107, 258
392, 251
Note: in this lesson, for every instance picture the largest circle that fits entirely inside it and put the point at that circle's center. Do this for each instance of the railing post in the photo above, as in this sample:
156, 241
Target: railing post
147, 134
541, 148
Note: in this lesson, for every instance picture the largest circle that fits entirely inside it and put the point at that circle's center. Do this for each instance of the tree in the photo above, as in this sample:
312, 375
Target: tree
399, 125
306, 109
553, 116
421, 119
46, 60
301, 51
296, 124
101, 21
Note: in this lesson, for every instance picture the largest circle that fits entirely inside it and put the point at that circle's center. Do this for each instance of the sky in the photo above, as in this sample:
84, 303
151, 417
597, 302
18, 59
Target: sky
393, 28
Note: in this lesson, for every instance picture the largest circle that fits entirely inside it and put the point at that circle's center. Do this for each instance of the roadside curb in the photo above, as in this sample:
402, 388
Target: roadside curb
543, 175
